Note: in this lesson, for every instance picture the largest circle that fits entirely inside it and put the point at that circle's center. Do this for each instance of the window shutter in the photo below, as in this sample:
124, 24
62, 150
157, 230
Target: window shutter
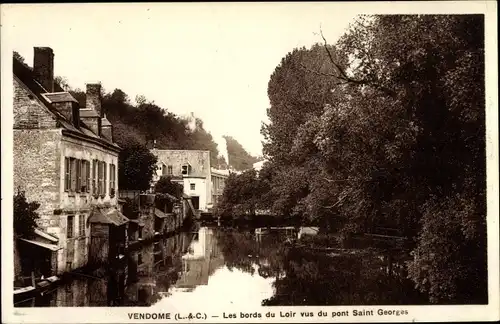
111, 178
87, 175
96, 177
66, 174
104, 178
93, 177
82, 175
99, 177
77, 175
72, 173
69, 229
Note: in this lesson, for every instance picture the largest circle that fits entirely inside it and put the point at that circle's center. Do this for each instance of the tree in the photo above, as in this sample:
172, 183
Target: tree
241, 196
25, 215
201, 139
136, 167
371, 133
428, 64
167, 186
21, 59
62, 82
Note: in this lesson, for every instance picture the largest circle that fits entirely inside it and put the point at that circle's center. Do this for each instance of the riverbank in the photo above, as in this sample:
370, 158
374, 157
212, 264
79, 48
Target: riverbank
97, 270
308, 271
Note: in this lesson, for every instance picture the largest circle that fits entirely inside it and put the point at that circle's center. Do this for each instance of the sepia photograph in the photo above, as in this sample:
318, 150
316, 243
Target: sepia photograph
221, 159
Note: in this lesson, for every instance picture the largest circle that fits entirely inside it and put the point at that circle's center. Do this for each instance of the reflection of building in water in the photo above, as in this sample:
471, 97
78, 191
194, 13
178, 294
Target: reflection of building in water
157, 268
201, 261
89, 292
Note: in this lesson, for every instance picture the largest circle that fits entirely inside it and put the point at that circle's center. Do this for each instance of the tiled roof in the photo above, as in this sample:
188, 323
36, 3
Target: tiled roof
49, 246
113, 217
26, 77
47, 236
166, 195
160, 214
59, 97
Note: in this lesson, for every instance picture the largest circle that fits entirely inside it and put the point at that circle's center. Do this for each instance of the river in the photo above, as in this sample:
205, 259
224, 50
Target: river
235, 267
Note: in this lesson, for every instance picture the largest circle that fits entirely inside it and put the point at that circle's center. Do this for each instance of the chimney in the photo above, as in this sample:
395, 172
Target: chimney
93, 100
92, 114
43, 67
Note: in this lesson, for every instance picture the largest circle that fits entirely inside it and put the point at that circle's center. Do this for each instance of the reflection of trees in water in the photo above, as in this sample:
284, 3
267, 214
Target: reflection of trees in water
242, 251
308, 277
314, 278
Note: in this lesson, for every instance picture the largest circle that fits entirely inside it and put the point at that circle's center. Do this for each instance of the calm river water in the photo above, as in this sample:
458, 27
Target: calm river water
234, 267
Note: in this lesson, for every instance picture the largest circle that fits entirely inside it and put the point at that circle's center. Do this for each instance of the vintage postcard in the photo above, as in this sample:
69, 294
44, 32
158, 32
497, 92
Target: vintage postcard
248, 162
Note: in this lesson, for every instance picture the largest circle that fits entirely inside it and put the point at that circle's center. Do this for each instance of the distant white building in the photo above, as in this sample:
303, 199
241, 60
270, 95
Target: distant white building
191, 168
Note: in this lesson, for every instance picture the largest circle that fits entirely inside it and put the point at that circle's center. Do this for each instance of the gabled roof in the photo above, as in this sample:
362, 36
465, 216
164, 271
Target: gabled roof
26, 76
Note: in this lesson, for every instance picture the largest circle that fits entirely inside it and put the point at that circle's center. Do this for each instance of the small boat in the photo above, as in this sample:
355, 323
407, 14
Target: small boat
40, 288
24, 293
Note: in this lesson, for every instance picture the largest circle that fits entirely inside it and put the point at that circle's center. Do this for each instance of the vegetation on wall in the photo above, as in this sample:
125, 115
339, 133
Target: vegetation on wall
25, 215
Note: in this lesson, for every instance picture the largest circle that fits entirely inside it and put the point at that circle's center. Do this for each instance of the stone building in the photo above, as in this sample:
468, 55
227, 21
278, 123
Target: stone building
64, 158
192, 169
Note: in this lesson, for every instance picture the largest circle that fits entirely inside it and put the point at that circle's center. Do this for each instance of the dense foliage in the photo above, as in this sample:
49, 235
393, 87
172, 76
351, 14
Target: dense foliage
144, 122
386, 129
136, 167
167, 186
25, 215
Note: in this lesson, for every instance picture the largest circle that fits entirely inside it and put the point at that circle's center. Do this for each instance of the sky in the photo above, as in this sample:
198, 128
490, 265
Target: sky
213, 60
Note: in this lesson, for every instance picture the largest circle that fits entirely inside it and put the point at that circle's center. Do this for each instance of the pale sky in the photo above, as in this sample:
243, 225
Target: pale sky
211, 59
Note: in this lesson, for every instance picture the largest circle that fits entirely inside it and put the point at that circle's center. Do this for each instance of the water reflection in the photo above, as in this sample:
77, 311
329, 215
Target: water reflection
231, 267
208, 276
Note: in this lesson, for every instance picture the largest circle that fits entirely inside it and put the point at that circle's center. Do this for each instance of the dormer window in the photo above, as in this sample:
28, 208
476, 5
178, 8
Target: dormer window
186, 168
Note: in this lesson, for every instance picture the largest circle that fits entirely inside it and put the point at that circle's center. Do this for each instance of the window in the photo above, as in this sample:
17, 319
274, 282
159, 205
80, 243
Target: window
87, 176
99, 177
185, 169
70, 225
72, 174
78, 175
170, 170
163, 169
83, 180
104, 179
83, 176
95, 179
81, 225
112, 179
192, 186
67, 174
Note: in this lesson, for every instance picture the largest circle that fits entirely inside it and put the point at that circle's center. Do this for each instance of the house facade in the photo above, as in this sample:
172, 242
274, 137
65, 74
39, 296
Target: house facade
192, 169
64, 158
218, 182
